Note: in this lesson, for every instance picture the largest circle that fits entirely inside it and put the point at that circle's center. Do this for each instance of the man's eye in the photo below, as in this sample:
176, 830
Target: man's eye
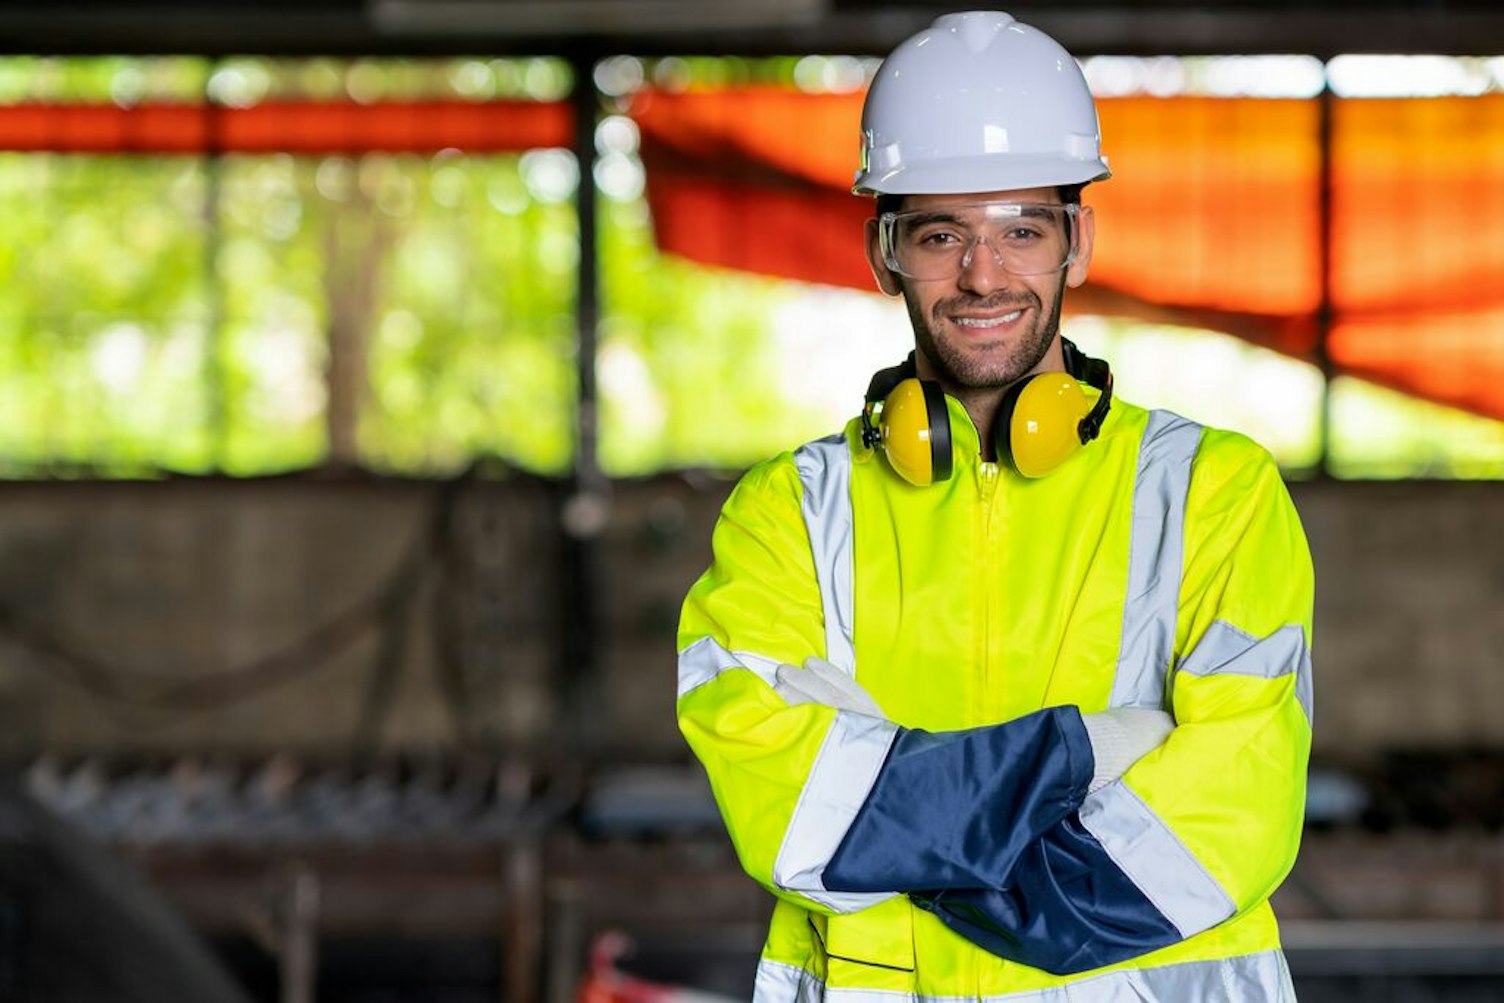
1024, 235
937, 239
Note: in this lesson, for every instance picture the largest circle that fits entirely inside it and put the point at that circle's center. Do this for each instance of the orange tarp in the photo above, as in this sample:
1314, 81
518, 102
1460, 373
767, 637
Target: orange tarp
308, 127
1418, 247
1213, 218
730, 184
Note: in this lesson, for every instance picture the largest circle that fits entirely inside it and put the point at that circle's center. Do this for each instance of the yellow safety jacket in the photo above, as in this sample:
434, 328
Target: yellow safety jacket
950, 851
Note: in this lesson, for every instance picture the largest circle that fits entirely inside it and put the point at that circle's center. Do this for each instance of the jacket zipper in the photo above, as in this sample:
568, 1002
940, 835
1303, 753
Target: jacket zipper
987, 481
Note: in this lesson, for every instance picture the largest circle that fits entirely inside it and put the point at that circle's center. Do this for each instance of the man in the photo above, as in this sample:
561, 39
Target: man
998, 711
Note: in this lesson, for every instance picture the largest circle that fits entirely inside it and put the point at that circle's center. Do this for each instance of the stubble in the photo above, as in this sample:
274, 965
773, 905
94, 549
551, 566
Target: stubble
998, 366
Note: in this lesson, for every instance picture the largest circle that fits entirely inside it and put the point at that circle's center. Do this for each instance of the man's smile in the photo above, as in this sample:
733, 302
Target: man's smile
982, 323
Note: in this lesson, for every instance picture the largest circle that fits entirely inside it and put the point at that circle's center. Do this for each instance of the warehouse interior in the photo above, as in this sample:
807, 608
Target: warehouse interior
377, 369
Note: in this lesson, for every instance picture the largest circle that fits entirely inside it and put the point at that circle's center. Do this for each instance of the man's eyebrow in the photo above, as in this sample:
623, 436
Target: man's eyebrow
1015, 210
922, 218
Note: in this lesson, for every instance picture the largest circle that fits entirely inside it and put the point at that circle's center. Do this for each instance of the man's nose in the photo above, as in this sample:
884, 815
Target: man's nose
982, 267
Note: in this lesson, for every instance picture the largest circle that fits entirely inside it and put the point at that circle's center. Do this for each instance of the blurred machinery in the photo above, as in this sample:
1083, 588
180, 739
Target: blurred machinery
416, 793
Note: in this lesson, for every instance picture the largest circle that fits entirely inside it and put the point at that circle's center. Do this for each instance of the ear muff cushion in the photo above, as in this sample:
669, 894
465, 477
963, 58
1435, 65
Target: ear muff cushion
1002, 439
940, 451
916, 432
1038, 423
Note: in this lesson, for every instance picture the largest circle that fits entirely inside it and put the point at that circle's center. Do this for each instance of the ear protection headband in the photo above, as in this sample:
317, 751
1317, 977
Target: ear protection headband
1041, 422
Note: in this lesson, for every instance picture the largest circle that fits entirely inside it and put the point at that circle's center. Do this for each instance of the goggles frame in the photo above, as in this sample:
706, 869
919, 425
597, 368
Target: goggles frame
1067, 214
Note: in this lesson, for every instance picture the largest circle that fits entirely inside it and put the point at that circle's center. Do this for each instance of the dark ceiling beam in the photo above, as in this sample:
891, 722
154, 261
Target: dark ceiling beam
1323, 31
230, 28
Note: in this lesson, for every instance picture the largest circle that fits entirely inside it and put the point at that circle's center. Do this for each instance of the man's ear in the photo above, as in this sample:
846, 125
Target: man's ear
1086, 223
886, 280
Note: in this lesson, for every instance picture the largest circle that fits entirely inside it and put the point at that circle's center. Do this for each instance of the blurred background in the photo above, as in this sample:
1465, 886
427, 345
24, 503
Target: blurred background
371, 374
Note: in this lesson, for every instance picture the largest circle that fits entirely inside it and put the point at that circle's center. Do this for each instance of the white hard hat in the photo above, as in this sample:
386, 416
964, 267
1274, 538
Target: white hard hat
978, 102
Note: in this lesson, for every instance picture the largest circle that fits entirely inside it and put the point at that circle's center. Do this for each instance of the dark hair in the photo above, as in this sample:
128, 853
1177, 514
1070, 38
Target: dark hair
1069, 195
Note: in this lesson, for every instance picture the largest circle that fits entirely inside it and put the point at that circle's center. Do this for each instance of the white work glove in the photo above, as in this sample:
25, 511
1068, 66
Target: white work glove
823, 683
1121, 737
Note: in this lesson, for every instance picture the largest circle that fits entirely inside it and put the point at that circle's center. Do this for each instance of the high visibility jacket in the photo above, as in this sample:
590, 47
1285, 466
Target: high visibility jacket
950, 850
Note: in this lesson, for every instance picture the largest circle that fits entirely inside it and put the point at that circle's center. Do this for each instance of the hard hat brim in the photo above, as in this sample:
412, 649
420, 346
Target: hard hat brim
985, 173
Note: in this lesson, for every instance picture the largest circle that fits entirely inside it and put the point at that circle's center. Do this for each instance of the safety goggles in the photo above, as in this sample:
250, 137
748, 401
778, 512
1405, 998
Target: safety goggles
940, 242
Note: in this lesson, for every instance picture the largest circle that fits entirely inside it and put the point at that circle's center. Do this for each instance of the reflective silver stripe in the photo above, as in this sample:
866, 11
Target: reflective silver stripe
1155, 860
780, 983
1305, 687
844, 771
825, 472
1226, 649
1154, 559
1247, 978
707, 658
856, 745
1142, 846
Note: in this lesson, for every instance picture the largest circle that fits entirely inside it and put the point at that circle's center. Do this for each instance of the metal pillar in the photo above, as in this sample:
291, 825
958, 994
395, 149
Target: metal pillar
587, 504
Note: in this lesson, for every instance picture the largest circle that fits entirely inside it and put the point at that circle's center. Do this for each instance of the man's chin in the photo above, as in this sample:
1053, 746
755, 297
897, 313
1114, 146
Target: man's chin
975, 371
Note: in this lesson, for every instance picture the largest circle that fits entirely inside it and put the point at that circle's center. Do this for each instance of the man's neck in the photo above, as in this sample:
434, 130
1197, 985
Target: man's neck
982, 403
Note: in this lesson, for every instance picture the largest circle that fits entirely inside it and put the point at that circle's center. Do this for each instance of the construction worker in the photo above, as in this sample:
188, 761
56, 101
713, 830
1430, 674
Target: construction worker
1004, 692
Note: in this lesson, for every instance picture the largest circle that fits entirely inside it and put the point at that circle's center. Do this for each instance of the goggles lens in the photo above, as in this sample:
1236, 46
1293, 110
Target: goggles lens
1024, 238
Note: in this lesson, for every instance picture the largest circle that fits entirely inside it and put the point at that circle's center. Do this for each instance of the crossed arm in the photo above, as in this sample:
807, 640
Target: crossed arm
998, 830
1003, 888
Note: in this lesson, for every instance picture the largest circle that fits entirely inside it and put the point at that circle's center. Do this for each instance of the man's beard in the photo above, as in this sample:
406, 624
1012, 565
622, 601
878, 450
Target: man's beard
1004, 364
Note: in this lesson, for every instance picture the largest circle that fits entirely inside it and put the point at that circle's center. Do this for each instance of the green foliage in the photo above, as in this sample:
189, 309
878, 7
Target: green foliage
1379, 434
179, 314
687, 366
447, 281
104, 320
472, 353
123, 80
246, 80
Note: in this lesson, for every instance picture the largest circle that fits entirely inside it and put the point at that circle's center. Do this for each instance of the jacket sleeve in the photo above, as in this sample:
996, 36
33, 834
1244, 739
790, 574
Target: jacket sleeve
1206, 826
791, 779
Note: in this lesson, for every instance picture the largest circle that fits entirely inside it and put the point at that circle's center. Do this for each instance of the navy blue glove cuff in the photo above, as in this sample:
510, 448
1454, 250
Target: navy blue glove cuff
956, 809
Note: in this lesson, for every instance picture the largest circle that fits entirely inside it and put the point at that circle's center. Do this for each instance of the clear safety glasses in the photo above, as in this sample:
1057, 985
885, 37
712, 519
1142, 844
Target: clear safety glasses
1024, 238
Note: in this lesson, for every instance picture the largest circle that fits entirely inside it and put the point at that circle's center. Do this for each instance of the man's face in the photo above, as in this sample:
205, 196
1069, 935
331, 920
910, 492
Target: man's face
984, 327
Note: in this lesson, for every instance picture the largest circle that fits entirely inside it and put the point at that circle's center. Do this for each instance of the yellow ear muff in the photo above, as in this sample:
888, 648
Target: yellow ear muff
915, 432
1039, 423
